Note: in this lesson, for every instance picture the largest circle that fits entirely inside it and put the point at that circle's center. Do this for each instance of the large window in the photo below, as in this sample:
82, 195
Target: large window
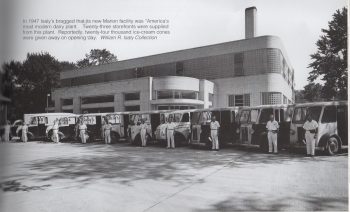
67, 102
329, 114
175, 107
98, 110
271, 98
132, 108
239, 100
171, 94
179, 69
132, 96
97, 99
238, 67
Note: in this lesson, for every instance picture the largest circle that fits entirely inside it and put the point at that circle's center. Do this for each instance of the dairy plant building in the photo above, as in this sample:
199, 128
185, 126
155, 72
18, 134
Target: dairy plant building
249, 72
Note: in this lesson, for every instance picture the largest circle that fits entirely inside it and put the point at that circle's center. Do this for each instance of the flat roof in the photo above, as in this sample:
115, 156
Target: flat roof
254, 43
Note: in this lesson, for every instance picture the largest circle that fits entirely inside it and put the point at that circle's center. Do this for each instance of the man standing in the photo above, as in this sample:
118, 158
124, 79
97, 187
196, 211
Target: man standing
214, 130
143, 132
7, 131
82, 130
24, 129
107, 132
55, 129
272, 128
170, 133
310, 127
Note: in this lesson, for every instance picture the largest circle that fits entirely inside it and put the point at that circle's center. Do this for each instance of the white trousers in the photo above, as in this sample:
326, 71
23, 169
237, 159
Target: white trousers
143, 137
215, 139
6, 136
55, 136
24, 137
272, 137
82, 136
310, 143
107, 136
170, 139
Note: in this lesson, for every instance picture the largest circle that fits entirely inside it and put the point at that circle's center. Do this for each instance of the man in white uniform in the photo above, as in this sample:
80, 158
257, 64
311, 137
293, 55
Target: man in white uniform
24, 129
7, 131
170, 133
55, 128
143, 132
272, 128
107, 132
310, 127
82, 130
214, 130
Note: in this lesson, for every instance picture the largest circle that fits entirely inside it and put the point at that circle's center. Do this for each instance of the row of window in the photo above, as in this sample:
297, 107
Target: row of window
175, 107
267, 98
174, 94
220, 66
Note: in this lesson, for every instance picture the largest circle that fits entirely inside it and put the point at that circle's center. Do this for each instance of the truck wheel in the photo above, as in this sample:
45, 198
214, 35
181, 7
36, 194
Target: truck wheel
114, 137
332, 146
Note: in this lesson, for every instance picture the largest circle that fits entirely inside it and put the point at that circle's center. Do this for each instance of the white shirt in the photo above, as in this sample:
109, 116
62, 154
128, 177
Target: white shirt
272, 125
107, 127
171, 126
214, 125
55, 127
310, 125
82, 127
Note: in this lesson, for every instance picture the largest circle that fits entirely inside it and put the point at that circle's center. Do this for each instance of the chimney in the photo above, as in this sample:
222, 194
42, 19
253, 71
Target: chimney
250, 22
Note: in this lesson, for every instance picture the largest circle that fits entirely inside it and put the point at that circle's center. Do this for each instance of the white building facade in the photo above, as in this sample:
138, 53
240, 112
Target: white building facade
249, 72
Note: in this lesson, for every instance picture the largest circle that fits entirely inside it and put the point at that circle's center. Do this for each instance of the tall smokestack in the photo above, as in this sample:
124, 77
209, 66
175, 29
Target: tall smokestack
250, 22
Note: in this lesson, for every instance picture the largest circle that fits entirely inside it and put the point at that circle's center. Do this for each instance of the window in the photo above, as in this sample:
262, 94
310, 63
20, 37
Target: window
139, 72
315, 112
277, 115
244, 116
189, 95
185, 117
299, 115
285, 100
246, 100
164, 94
179, 69
271, 98
97, 99
67, 102
132, 96
329, 114
238, 64
254, 116
98, 110
211, 97
239, 100
265, 115
132, 108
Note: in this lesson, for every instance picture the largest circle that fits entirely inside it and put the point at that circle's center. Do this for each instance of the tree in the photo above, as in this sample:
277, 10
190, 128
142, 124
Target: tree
312, 92
97, 57
330, 61
31, 81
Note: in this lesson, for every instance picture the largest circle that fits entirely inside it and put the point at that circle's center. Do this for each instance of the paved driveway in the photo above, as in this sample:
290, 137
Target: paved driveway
96, 177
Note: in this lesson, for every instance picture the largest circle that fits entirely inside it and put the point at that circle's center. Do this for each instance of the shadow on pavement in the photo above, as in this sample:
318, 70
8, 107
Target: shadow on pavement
309, 203
126, 164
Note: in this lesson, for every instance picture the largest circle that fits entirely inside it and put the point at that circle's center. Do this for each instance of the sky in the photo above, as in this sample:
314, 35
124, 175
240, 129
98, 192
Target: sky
193, 23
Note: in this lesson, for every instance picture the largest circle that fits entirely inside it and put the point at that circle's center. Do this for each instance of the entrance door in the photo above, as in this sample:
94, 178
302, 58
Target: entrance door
126, 124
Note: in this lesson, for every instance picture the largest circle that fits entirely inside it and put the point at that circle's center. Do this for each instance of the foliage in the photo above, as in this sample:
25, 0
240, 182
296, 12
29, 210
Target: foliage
31, 81
96, 57
329, 63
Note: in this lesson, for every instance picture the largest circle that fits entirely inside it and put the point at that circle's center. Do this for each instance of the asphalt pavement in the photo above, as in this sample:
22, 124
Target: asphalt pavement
38, 176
